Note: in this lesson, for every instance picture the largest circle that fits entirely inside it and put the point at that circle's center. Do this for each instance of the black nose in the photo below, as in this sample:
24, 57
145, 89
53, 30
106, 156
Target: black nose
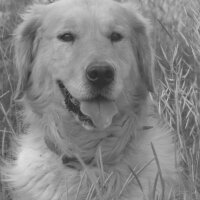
100, 75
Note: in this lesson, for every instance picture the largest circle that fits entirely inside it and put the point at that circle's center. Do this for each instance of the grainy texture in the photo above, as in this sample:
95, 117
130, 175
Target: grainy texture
177, 43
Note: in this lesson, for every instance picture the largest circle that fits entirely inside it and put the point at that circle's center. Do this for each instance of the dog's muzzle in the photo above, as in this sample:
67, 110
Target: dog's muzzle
96, 112
73, 105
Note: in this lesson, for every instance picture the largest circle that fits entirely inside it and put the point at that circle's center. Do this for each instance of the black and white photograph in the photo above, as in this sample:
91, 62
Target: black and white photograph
99, 99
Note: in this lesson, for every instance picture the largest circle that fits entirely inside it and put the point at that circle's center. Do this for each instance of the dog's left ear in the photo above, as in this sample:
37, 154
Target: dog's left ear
141, 43
25, 43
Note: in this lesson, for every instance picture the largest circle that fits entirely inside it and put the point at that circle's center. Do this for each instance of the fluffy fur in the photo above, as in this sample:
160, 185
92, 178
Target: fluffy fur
57, 158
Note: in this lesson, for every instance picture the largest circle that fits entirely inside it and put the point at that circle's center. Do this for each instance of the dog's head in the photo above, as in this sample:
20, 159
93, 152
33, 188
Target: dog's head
93, 55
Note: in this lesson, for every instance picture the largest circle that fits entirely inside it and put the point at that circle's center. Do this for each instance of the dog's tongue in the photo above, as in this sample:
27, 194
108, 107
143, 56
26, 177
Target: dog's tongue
100, 112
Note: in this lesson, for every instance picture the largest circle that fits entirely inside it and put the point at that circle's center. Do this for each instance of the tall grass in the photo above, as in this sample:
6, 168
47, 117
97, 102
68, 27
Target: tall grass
176, 40
178, 65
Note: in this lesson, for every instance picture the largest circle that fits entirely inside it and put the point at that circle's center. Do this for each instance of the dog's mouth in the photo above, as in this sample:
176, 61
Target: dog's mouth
97, 112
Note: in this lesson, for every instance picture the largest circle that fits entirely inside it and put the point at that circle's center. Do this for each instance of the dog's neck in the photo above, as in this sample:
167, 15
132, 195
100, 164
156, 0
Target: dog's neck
91, 145
64, 137
110, 145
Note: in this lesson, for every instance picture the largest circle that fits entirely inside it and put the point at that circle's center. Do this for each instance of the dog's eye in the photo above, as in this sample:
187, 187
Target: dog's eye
115, 37
67, 37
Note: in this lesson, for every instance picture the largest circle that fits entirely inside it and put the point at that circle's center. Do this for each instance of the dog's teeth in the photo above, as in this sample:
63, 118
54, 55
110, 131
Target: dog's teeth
74, 101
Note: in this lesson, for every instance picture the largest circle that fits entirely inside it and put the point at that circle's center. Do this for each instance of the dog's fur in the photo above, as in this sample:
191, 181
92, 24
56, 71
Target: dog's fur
57, 158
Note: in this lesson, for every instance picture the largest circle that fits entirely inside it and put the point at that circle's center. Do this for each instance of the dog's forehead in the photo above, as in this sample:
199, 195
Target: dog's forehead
76, 12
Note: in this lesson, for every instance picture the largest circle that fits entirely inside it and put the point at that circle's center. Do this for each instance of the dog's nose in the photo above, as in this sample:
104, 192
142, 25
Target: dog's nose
100, 75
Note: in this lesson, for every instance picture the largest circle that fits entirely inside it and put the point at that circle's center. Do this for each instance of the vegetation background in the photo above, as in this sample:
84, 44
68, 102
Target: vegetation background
176, 39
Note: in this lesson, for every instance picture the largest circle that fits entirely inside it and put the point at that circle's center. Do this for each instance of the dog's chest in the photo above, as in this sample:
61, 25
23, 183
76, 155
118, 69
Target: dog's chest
41, 174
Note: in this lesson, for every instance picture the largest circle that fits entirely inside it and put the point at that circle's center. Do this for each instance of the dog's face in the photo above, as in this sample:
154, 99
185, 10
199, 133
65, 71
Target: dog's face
93, 55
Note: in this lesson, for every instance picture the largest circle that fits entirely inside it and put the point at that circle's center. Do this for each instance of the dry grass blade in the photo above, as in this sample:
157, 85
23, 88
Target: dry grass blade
79, 186
163, 26
155, 186
3, 142
7, 119
137, 179
91, 176
4, 94
128, 180
100, 164
131, 177
90, 192
159, 172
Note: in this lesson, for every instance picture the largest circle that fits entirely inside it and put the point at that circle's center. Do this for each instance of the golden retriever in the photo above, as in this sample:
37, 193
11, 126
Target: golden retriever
91, 130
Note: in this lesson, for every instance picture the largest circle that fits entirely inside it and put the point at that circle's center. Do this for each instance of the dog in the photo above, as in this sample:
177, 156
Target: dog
91, 129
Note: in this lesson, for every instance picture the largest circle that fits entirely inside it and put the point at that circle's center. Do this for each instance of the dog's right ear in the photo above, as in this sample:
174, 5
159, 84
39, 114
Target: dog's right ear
26, 40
